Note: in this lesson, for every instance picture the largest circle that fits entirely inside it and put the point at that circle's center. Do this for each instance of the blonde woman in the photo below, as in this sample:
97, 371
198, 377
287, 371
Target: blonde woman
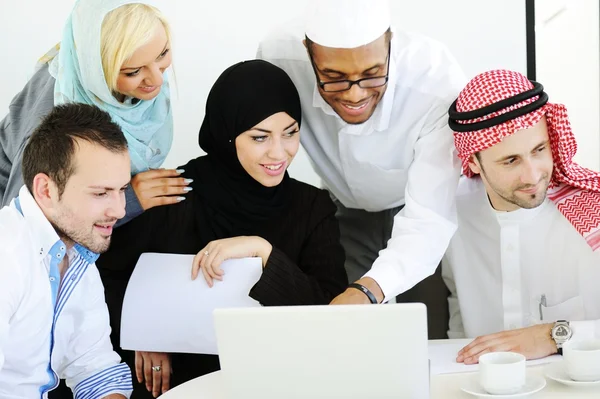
113, 54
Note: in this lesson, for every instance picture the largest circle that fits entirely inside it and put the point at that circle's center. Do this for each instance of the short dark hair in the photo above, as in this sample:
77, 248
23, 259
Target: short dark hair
387, 33
51, 147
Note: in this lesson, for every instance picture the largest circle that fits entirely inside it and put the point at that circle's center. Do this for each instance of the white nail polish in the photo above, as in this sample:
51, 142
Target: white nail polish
180, 199
189, 180
188, 188
180, 171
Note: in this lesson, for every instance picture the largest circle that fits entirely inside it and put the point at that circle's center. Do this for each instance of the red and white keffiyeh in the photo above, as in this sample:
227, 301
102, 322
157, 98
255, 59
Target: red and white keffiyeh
575, 190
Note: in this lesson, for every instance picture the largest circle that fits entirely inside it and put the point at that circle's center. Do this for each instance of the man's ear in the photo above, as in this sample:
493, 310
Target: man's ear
45, 191
474, 164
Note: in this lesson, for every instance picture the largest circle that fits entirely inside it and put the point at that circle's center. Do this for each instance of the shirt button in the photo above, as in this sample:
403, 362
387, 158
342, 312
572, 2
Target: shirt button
510, 248
52, 279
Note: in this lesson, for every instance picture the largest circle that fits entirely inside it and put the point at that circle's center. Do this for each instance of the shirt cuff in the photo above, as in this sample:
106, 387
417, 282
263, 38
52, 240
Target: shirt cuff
133, 208
273, 286
385, 276
114, 380
583, 330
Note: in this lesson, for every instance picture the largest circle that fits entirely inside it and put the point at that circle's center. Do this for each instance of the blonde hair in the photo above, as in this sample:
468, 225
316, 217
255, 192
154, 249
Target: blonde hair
124, 30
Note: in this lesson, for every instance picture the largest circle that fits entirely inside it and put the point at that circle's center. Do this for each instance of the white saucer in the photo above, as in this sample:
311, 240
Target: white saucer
556, 371
532, 385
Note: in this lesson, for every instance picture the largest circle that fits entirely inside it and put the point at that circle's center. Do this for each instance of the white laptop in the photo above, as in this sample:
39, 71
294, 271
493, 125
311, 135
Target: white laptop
313, 352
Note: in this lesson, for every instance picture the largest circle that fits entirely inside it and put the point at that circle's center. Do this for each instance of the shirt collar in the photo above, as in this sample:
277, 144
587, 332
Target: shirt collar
89, 256
380, 119
45, 238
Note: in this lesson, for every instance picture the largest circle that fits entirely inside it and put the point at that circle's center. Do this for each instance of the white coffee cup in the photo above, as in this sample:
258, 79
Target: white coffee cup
502, 373
582, 360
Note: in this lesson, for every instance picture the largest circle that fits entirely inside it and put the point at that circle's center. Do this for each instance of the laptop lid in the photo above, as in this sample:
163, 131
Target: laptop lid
353, 351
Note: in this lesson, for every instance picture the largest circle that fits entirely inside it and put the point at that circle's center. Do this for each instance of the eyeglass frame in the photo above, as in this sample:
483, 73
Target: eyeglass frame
352, 82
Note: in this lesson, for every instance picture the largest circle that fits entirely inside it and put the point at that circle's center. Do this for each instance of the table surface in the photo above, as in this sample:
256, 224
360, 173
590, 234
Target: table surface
443, 386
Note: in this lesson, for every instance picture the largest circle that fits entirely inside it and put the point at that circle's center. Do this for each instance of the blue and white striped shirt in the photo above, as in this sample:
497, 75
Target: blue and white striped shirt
51, 330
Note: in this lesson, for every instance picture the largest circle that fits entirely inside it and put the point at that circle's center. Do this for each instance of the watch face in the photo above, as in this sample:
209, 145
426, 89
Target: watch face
561, 332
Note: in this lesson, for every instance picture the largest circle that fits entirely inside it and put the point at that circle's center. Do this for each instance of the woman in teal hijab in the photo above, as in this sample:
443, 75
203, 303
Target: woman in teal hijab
113, 54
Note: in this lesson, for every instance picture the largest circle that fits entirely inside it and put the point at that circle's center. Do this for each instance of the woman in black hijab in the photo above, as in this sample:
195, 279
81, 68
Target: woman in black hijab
243, 204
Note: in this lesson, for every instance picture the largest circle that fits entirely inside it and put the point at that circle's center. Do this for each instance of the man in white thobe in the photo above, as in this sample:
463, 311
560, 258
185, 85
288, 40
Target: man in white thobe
524, 265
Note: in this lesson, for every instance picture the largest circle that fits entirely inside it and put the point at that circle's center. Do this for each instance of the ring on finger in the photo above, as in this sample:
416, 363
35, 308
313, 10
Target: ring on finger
156, 368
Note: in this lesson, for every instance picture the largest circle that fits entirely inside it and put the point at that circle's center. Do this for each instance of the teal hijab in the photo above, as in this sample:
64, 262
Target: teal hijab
77, 68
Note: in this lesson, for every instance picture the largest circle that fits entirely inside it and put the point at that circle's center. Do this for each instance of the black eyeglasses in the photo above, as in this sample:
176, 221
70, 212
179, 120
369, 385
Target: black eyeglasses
343, 85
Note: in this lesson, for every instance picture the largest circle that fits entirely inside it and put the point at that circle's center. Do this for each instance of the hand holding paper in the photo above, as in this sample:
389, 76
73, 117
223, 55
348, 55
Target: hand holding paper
210, 258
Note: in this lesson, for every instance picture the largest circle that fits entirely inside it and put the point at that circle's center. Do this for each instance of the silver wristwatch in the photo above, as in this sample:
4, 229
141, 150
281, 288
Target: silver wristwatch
561, 334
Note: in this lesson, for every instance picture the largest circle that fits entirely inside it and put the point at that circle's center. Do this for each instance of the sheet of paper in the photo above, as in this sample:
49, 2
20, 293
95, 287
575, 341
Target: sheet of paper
443, 357
165, 311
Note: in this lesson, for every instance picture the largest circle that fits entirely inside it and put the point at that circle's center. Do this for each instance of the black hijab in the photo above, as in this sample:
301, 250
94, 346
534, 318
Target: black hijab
243, 96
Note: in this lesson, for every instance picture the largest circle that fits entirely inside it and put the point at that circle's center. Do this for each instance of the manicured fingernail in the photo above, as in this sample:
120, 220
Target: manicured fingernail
180, 171
188, 188
180, 199
188, 181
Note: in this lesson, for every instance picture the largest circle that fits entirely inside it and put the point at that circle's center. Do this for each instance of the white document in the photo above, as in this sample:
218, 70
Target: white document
443, 357
164, 310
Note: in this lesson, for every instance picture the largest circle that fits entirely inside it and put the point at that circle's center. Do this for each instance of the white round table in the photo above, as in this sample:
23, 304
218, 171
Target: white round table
443, 386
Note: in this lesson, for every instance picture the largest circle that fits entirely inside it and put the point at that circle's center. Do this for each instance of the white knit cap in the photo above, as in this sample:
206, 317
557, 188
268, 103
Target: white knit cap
346, 23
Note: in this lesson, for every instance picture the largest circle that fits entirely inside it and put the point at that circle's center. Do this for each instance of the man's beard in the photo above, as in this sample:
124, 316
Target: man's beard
71, 237
537, 198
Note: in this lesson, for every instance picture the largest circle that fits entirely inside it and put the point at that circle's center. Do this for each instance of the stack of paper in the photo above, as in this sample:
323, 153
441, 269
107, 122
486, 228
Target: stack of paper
442, 355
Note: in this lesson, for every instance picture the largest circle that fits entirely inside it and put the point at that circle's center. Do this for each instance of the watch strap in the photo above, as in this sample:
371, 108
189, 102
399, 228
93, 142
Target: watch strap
559, 346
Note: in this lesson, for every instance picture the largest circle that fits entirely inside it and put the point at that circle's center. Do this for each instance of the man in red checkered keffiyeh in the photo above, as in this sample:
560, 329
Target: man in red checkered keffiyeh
496, 104
524, 263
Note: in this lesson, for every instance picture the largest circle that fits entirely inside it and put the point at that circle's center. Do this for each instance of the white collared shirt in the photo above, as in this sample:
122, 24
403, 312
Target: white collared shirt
509, 270
51, 329
403, 155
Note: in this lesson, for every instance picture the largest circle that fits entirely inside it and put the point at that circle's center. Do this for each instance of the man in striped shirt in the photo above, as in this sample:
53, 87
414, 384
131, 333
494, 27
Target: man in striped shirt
53, 317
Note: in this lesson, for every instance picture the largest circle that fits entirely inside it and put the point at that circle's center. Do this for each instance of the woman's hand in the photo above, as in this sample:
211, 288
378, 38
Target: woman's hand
209, 259
155, 369
158, 187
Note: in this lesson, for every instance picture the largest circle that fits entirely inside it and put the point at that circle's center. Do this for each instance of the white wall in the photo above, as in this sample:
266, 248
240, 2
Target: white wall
568, 65
210, 36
